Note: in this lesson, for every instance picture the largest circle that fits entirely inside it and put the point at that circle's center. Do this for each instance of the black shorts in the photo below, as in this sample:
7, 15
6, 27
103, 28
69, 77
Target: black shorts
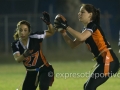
44, 77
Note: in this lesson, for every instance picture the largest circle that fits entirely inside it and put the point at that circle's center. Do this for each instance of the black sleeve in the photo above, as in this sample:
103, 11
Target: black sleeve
38, 35
14, 47
92, 26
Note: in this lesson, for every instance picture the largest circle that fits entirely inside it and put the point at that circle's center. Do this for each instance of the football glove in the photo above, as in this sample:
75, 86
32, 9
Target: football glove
60, 22
27, 53
46, 18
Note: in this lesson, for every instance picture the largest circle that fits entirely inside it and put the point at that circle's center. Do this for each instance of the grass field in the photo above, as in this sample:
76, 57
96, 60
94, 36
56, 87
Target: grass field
12, 75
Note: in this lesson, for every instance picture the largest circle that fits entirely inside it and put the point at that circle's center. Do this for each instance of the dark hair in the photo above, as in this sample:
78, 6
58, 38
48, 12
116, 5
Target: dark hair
16, 37
96, 12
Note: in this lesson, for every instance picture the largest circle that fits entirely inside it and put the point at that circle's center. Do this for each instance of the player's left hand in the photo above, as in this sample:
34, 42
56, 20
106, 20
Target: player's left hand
46, 17
60, 23
27, 52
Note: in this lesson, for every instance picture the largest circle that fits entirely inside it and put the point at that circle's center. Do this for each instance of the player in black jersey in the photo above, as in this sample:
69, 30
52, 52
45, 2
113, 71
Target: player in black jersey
94, 38
27, 49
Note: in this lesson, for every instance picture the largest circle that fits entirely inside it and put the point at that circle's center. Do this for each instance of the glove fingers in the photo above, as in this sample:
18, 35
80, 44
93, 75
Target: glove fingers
45, 14
43, 19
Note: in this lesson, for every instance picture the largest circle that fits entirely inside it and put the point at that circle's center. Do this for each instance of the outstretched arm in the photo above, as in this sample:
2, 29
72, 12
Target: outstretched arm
50, 31
46, 19
61, 22
72, 43
80, 36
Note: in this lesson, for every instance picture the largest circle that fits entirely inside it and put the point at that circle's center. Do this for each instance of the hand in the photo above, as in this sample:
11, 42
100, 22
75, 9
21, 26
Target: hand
46, 18
61, 30
27, 53
60, 22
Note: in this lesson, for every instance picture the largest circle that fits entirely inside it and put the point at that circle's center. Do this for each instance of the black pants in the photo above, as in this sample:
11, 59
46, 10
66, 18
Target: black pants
45, 79
97, 78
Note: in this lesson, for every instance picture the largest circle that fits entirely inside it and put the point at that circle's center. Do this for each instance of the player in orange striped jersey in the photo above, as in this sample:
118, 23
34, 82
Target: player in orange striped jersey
93, 36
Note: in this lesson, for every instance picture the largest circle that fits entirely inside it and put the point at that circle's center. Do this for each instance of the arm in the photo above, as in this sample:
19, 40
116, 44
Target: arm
80, 36
20, 58
50, 30
46, 19
61, 22
69, 41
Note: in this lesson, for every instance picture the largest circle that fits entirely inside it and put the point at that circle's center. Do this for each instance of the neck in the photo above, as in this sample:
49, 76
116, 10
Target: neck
24, 41
85, 24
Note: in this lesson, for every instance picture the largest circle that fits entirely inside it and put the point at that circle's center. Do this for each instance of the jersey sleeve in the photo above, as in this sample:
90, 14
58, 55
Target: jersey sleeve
38, 35
15, 48
91, 27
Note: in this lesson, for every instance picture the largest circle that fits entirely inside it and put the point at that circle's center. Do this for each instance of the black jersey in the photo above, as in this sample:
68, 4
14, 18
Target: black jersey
97, 41
34, 43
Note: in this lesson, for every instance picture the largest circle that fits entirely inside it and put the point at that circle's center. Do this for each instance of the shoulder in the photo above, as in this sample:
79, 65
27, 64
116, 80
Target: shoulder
14, 43
38, 34
92, 26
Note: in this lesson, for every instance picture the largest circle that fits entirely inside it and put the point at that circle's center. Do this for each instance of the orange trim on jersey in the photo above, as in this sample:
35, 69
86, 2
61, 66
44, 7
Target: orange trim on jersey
43, 57
99, 41
107, 58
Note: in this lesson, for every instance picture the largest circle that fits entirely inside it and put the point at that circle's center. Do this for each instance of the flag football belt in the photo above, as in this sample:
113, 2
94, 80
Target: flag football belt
36, 69
95, 58
107, 60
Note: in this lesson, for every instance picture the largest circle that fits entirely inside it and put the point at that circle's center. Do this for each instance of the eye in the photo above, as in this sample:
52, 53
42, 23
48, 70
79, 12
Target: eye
20, 30
25, 30
82, 12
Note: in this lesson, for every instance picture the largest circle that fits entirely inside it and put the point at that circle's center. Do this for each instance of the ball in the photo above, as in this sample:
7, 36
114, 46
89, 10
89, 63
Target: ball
57, 17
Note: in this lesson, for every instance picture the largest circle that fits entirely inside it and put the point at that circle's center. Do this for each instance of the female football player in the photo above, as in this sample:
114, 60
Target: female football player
27, 49
92, 34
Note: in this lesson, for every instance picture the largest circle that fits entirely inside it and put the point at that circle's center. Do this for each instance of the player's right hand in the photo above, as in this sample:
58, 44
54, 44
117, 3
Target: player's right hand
61, 30
46, 17
27, 53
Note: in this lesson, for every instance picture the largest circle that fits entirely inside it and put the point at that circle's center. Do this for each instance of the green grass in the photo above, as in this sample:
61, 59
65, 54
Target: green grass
12, 75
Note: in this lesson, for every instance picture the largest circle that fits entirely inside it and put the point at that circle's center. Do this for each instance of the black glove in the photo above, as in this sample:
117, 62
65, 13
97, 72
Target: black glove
46, 18
27, 53
60, 23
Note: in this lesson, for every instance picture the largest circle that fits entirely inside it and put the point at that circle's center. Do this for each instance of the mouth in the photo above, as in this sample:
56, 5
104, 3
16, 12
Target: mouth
22, 36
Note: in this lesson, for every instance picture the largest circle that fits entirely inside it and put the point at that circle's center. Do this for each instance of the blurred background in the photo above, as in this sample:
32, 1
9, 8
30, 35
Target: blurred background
54, 48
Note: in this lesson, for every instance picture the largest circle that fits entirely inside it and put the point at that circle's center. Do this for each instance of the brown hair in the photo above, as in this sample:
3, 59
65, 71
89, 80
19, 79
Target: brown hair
16, 37
96, 12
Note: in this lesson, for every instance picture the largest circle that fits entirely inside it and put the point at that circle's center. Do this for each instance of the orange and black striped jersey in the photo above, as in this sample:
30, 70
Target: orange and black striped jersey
34, 43
97, 41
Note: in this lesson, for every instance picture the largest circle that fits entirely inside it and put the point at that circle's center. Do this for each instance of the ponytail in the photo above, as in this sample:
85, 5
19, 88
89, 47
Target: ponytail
15, 36
97, 18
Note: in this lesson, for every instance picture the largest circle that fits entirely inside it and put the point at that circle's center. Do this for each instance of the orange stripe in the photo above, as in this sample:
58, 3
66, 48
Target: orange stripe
107, 58
99, 41
43, 57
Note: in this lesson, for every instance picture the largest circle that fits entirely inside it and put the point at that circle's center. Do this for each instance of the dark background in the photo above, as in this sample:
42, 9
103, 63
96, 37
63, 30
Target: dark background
12, 11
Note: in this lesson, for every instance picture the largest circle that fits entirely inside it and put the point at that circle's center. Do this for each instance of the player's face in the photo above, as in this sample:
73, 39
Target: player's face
23, 31
84, 16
